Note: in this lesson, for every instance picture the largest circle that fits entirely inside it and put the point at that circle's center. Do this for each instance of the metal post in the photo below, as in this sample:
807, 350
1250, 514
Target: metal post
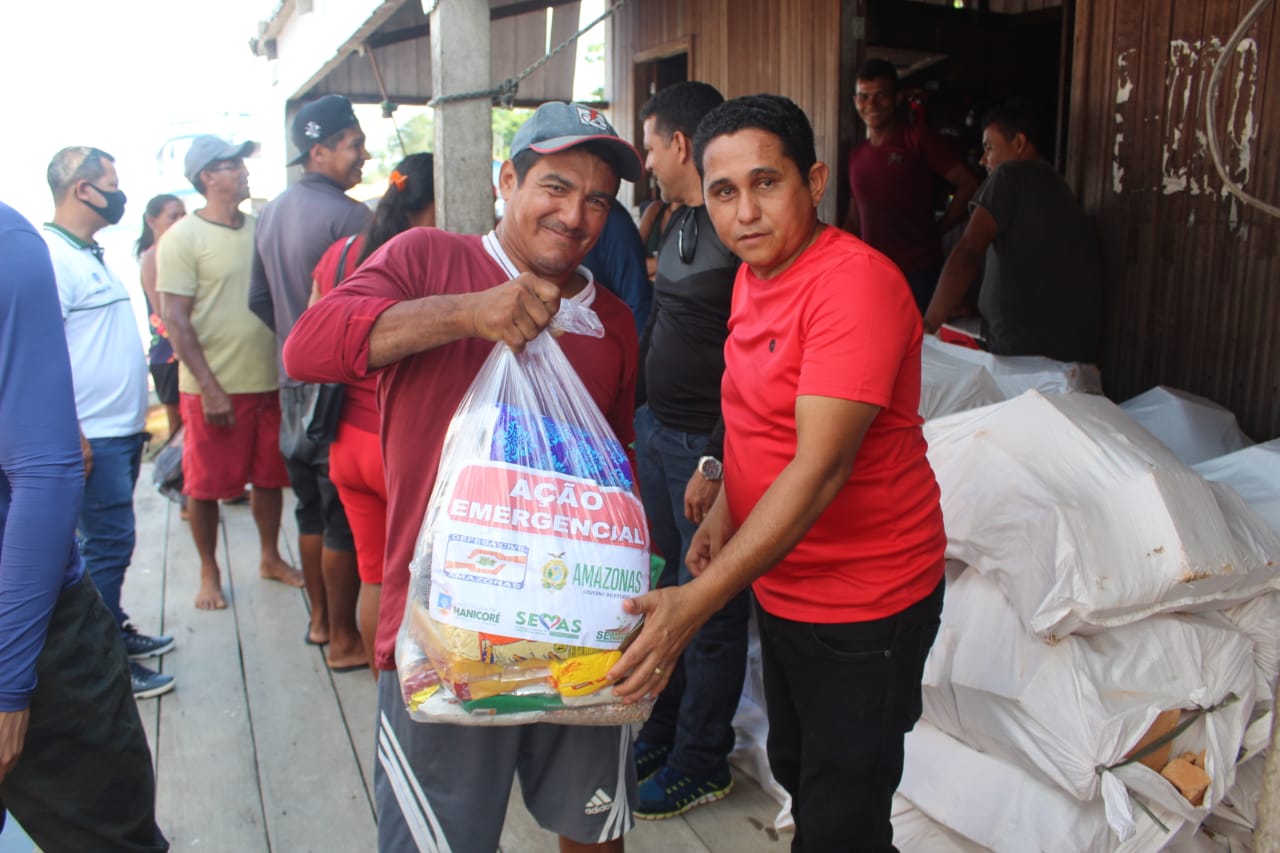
463, 129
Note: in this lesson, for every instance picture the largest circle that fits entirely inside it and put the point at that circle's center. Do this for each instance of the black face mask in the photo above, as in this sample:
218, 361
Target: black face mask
114, 209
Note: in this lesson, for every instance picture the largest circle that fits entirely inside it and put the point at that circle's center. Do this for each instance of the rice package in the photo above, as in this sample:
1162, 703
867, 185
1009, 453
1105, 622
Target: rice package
533, 538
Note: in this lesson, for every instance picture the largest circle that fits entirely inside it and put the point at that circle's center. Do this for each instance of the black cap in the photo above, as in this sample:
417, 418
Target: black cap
319, 120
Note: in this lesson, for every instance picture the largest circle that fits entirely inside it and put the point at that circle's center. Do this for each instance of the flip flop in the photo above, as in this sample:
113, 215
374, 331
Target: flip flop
355, 667
306, 638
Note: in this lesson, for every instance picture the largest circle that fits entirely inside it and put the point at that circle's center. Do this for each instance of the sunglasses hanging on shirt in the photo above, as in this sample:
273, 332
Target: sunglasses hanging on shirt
687, 237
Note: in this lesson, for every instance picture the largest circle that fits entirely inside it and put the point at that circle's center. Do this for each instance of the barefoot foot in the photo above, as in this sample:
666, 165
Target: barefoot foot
346, 659
210, 597
279, 570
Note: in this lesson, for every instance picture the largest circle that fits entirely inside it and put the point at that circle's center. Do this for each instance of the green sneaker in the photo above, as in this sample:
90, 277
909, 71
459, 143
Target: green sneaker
669, 793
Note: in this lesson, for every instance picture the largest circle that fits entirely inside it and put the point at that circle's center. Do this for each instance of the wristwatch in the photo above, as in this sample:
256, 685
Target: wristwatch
710, 468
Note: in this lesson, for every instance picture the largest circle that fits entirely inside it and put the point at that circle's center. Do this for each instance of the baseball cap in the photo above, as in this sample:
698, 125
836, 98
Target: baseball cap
557, 126
210, 149
319, 120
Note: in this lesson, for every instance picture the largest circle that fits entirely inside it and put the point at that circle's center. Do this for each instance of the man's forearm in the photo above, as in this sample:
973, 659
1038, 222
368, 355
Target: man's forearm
418, 325
959, 272
782, 517
186, 344
260, 303
955, 212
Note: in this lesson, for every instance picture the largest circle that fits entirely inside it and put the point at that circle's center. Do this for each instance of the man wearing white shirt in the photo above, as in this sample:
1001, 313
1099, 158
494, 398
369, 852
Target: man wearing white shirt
109, 371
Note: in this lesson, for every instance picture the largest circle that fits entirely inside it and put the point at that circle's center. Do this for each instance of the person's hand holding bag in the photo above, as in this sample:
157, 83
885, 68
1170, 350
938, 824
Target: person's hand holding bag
515, 312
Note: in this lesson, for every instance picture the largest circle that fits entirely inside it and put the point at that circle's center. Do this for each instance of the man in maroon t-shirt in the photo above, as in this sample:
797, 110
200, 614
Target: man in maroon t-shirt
891, 178
425, 310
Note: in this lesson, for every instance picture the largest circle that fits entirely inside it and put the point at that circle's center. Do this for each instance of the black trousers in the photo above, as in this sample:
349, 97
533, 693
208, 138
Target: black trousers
84, 781
841, 698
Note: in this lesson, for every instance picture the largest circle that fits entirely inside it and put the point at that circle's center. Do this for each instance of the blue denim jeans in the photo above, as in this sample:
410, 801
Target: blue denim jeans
694, 715
106, 528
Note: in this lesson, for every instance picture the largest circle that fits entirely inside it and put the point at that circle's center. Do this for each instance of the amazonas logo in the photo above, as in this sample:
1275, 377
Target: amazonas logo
549, 624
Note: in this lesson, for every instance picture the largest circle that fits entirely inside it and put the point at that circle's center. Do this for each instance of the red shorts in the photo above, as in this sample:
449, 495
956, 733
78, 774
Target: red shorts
355, 468
218, 461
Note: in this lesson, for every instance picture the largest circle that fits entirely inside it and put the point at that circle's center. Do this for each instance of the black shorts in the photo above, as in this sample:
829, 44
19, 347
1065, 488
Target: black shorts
85, 781
166, 378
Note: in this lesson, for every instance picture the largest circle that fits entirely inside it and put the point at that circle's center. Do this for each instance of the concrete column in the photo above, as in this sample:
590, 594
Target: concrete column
463, 129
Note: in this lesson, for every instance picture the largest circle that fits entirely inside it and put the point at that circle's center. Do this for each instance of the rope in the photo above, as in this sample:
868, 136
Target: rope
504, 94
1182, 726
1211, 111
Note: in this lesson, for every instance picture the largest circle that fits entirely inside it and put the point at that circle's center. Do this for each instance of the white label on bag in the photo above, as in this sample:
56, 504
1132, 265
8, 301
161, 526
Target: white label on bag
538, 555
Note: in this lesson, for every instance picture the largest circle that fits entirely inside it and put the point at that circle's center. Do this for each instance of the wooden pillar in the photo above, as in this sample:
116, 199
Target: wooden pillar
463, 129
853, 48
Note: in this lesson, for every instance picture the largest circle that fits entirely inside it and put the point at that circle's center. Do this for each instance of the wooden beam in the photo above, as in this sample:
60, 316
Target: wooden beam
403, 34
520, 7
463, 129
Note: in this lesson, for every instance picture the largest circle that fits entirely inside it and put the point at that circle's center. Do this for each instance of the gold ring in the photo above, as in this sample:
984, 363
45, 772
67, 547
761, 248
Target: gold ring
657, 670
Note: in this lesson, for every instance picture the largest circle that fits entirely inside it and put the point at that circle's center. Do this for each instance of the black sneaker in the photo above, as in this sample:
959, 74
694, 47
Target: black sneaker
649, 757
139, 646
669, 793
148, 682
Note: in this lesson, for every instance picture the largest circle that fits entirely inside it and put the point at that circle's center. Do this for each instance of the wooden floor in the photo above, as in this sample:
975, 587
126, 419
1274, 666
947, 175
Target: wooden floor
262, 748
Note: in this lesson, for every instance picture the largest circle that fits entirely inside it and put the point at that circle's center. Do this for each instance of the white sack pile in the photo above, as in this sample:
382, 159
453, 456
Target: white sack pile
1254, 473
1004, 807
1194, 428
956, 378
1112, 596
1086, 521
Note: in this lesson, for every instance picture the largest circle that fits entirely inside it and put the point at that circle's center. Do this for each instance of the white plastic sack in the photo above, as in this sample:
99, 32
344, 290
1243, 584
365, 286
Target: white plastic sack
532, 539
1086, 521
1259, 620
1194, 428
1015, 374
916, 832
751, 732
1237, 815
1002, 807
1066, 708
949, 383
1254, 473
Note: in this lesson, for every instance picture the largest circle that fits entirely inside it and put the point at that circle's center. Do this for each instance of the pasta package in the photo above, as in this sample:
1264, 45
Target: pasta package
533, 538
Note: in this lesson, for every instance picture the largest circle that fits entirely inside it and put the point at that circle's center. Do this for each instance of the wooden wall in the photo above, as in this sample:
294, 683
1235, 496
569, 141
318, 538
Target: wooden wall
742, 47
1193, 279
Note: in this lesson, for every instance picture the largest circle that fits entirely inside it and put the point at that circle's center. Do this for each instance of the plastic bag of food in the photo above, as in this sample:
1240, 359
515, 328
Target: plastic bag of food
532, 539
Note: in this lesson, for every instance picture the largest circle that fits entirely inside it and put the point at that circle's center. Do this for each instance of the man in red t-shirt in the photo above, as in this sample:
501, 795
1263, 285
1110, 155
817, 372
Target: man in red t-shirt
425, 310
892, 177
829, 508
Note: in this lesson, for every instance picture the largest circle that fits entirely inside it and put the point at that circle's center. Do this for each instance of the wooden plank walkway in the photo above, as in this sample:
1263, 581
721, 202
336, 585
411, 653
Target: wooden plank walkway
262, 748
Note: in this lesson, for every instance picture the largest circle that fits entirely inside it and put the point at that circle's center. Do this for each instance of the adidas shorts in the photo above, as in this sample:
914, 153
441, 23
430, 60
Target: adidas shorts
444, 788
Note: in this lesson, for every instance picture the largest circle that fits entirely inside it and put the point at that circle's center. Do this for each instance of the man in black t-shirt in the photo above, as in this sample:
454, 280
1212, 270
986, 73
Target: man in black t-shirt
682, 751
1042, 291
